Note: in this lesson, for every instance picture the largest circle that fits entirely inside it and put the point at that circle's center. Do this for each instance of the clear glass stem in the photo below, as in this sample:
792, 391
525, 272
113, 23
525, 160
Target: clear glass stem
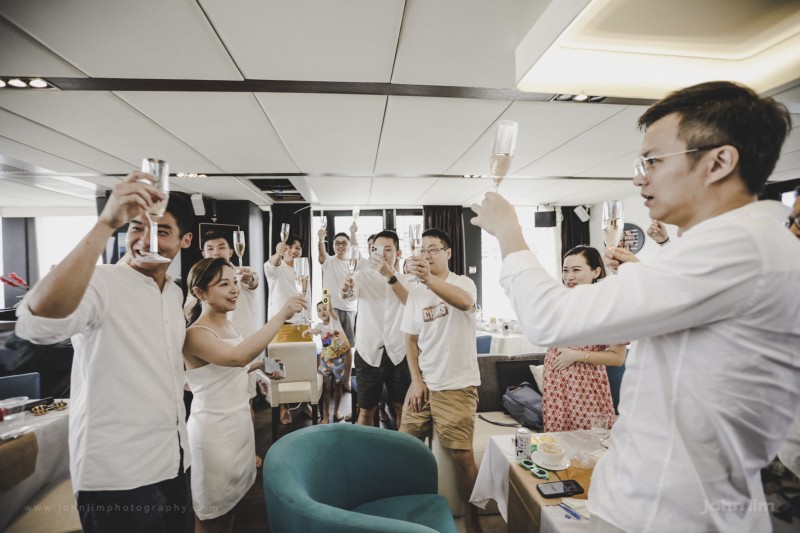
153, 235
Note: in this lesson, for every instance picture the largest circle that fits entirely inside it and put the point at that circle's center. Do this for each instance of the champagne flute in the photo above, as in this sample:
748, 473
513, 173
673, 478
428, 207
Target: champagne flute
284, 233
503, 147
356, 212
159, 169
613, 223
353, 253
415, 241
239, 245
323, 223
301, 281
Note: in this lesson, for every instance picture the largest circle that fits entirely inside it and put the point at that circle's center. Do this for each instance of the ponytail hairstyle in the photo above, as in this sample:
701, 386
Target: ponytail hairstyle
201, 276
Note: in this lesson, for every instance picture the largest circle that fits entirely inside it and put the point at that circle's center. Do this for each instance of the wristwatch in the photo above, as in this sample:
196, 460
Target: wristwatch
392, 280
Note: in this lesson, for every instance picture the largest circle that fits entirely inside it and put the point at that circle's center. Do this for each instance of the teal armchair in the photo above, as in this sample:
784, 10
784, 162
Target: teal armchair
344, 478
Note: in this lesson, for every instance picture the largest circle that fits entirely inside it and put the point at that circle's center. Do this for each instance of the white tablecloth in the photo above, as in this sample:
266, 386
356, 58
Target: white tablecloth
52, 461
492, 480
511, 343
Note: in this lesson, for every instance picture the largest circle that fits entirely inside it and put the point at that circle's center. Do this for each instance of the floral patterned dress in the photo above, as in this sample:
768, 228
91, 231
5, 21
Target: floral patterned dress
574, 394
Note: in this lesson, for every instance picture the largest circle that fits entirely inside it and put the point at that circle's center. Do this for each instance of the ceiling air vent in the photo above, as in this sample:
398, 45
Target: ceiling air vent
279, 190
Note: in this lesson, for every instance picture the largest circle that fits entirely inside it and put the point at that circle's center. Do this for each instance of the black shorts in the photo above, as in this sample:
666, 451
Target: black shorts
370, 380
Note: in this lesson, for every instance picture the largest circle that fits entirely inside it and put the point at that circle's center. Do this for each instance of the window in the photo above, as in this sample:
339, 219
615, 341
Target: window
543, 242
57, 236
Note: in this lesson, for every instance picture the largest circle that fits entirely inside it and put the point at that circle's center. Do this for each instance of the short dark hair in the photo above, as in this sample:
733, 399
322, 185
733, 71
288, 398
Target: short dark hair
371, 238
342, 234
721, 112
180, 207
293, 239
213, 235
592, 256
438, 234
389, 234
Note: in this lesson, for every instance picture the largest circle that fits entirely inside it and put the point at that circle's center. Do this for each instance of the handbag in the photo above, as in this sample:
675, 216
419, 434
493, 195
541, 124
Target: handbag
524, 404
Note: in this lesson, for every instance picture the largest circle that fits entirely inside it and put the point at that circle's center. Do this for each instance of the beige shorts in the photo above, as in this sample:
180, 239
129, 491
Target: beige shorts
452, 414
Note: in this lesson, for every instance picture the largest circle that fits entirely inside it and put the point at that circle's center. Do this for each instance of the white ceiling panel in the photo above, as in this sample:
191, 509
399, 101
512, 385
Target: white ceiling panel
605, 142
442, 43
53, 142
21, 55
543, 127
621, 167
454, 191
303, 39
335, 191
792, 142
106, 122
14, 194
116, 38
426, 135
23, 152
788, 161
606, 190
230, 129
398, 191
331, 133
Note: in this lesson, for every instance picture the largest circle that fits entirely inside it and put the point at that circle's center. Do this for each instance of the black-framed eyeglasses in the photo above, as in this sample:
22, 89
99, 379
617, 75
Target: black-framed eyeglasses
642, 164
340, 243
793, 219
431, 251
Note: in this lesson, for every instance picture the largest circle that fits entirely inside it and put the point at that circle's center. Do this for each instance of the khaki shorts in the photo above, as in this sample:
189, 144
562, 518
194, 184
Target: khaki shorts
292, 333
452, 414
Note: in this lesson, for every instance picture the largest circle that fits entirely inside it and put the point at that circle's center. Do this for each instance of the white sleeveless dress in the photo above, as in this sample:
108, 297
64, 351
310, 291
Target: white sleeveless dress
221, 437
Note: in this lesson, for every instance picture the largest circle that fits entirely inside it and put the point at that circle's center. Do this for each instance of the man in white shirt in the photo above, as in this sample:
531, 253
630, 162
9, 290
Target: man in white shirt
334, 272
380, 344
713, 379
439, 323
127, 436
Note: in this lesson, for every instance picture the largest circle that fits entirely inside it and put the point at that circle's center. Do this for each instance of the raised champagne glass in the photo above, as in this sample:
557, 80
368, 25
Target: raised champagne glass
353, 254
301, 281
415, 241
238, 247
613, 222
503, 147
159, 169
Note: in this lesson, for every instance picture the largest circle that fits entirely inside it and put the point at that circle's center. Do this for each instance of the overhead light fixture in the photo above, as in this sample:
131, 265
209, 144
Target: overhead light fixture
637, 49
22, 82
190, 175
577, 98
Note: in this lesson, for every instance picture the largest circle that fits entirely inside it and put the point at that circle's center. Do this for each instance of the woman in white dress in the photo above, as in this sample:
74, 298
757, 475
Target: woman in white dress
221, 437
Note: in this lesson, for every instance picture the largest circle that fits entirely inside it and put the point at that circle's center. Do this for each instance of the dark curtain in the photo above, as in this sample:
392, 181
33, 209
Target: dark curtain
573, 231
448, 218
298, 216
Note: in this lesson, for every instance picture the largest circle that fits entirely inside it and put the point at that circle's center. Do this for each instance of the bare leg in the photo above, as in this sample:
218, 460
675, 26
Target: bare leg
253, 418
398, 412
326, 401
337, 400
286, 415
348, 369
466, 473
365, 416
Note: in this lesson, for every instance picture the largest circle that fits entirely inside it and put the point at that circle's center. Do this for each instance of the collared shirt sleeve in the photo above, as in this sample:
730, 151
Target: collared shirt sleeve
687, 286
43, 330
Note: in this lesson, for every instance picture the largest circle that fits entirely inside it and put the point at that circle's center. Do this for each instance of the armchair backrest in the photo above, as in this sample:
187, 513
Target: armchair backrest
20, 385
298, 358
315, 475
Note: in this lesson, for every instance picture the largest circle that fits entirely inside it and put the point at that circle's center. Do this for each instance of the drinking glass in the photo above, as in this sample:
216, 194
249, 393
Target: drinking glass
415, 241
159, 169
601, 425
239, 245
284, 231
613, 222
503, 147
301, 281
323, 223
356, 212
353, 253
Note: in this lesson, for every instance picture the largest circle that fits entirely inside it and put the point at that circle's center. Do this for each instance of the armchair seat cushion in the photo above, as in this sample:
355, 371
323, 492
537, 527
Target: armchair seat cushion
429, 510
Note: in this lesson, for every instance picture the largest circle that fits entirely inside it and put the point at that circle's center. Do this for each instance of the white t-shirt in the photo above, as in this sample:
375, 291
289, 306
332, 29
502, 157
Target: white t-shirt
448, 357
334, 272
126, 406
280, 280
380, 313
713, 382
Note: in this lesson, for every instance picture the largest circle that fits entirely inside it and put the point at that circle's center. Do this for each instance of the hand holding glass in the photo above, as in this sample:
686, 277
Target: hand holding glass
301, 281
415, 241
613, 222
503, 147
352, 258
159, 169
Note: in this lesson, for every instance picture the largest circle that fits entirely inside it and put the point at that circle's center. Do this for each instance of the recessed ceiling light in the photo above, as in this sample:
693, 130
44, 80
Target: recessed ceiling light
2, 84
39, 83
16, 82
580, 98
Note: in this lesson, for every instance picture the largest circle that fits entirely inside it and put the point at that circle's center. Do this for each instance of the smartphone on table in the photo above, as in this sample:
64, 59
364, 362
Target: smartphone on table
559, 489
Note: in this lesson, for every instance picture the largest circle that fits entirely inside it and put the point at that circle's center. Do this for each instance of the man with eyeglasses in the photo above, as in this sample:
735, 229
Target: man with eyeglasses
439, 323
334, 272
713, 378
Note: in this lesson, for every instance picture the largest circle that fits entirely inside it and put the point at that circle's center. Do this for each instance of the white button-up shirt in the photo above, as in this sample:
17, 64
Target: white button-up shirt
711, 385
380, 314
126, 413
280, 280
334, 272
